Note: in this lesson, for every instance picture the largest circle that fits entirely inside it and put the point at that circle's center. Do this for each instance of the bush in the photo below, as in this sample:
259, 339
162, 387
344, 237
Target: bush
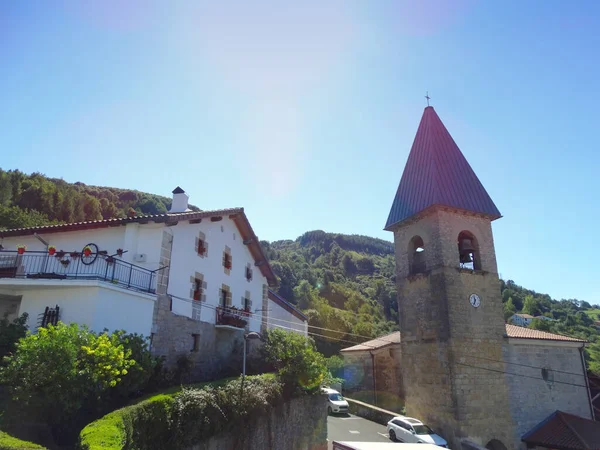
10, 333
296, 360
181, 419
8, 442
56, 373
145, 375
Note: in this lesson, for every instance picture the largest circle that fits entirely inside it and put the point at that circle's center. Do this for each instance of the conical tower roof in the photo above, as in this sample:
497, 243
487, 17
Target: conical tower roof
437, 173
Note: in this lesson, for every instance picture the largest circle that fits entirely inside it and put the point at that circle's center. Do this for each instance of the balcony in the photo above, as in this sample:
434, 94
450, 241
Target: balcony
77, 266
230, 317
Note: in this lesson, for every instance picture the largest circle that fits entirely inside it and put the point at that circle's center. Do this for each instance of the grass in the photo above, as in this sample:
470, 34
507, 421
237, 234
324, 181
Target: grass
593, 313
7, 442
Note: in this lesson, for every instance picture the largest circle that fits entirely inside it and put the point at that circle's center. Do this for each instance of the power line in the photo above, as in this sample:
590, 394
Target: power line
382, 339
519, 375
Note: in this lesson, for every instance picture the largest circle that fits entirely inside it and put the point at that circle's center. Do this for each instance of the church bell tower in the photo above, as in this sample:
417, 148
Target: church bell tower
451, 316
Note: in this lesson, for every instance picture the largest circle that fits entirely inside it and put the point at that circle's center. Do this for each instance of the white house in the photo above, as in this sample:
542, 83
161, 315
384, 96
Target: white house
521, 320
192, 280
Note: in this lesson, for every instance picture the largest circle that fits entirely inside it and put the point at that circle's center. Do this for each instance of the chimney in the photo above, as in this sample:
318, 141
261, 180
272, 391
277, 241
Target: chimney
180, 201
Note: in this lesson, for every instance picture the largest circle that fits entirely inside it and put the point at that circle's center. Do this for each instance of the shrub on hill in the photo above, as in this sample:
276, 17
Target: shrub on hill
65, 375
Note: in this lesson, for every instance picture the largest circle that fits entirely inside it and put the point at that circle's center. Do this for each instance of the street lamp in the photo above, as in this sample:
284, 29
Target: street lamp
251, 335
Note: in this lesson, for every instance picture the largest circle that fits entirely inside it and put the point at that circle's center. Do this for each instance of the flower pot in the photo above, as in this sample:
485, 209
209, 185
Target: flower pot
120, 251
21, 250
87, 252
51, 251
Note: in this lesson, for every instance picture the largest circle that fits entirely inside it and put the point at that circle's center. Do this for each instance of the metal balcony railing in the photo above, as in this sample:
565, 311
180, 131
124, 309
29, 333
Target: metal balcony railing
227, 315
76, 265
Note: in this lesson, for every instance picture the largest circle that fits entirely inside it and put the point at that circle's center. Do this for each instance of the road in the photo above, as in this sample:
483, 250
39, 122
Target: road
353, 428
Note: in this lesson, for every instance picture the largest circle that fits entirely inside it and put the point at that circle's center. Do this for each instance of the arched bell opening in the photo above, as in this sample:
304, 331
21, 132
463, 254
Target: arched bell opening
468, 251
416, 256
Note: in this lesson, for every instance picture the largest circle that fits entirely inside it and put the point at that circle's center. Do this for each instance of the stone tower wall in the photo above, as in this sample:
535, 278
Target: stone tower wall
446, 381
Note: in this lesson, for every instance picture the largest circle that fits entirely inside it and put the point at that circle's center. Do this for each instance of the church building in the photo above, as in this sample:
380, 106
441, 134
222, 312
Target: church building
455, 364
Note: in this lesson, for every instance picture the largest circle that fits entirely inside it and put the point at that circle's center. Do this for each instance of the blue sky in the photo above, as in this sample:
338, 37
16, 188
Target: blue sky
305, 113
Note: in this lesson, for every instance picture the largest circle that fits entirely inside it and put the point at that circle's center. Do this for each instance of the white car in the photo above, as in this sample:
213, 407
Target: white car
407, 429
336, 403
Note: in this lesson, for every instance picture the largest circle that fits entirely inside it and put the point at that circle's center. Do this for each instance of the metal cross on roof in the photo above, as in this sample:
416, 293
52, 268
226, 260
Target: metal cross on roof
427, 97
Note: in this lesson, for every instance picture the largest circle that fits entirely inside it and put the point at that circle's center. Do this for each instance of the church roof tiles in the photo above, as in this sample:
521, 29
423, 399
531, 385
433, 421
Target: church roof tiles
512, 331
437, 173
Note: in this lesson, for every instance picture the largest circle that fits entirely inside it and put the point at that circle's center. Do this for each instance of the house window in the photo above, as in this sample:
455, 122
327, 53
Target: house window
247, 304
225, 296
248, 272
197, 289
195, 342
227, 261
201, 245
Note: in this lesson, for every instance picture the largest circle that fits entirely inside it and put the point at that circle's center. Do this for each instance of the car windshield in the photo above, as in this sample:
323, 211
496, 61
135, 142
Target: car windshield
422, 429
336, 397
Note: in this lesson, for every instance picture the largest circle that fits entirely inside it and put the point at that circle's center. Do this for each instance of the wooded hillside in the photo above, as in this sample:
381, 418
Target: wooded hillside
31, 200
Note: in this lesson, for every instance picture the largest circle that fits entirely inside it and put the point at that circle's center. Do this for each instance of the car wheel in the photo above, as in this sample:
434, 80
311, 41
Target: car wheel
329, 411
393, 436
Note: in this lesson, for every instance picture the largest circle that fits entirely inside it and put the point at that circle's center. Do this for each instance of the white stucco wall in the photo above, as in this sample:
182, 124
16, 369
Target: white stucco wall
279, 317
123, 310
88, 302
185, 262
134, 238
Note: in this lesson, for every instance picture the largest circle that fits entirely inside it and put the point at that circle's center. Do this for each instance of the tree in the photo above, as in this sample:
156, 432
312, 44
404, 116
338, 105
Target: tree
540, 324
303, 294
61, 369
509, 308
531, 306
296, 359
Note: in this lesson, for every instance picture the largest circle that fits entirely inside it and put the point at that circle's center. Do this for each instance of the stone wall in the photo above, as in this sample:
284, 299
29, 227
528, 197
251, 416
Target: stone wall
358, 377
300, 424
443, 382
537, 394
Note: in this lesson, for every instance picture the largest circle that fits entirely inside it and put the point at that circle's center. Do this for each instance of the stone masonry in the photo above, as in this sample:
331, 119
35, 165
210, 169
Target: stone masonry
441, 332
537, 392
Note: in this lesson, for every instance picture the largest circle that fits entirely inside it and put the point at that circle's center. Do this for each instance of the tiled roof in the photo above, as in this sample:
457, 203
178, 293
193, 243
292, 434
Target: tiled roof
513, 331
104, 223
437, 173
375, 344
168, 218
564, 431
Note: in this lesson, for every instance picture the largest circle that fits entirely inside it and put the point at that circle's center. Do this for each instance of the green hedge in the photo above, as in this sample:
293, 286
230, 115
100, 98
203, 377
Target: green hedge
7, 442
179, 419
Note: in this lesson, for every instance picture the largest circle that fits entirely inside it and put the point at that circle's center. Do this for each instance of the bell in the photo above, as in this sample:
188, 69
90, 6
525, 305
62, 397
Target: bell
465, 250
466, 246
466, 258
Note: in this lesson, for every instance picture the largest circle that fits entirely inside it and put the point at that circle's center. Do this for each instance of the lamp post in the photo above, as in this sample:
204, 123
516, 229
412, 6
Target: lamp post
251, 335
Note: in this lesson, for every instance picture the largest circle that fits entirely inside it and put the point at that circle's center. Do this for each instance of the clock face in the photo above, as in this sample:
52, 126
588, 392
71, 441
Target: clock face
475, 300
